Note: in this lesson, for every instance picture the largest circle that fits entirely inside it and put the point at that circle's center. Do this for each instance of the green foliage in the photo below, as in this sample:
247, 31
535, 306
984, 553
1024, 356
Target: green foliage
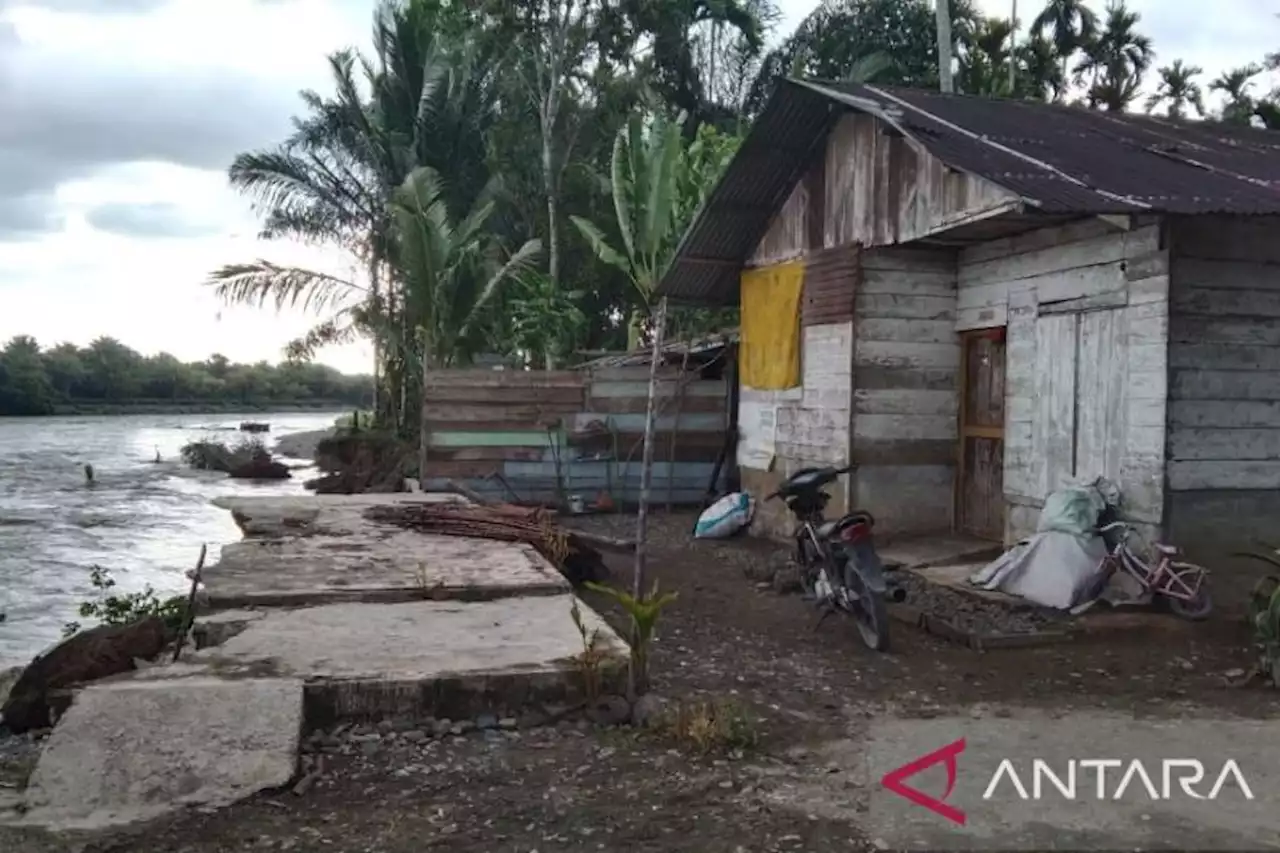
110, 608
643, 613
1264, 616
206, 455
589, 661
106, 374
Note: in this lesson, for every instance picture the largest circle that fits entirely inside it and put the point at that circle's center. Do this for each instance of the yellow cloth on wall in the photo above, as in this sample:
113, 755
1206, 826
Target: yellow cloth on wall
769, 347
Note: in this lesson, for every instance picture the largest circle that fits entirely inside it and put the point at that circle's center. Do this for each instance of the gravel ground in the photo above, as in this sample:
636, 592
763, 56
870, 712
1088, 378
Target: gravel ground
972, 613
571, 787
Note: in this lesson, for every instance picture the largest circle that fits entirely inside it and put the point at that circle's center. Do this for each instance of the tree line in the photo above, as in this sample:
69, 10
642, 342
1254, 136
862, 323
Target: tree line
109, 376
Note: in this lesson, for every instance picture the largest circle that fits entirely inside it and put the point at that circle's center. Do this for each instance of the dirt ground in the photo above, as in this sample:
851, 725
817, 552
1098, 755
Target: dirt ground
569, 787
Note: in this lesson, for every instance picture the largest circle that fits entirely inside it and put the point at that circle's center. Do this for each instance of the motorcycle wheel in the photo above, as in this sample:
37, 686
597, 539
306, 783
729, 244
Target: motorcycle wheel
868, 611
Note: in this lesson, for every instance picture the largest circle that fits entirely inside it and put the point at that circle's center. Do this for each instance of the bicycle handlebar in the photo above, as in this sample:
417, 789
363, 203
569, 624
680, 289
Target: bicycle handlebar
1112, 526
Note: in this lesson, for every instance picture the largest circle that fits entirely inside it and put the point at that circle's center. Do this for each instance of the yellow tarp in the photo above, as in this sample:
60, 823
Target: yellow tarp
769, 348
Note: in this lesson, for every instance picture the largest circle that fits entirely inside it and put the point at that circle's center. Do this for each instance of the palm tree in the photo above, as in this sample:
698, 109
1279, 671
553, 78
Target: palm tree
1071, 25
451, 269
1179, 89
431, 102
1235, 84
1115, 60
1040, 75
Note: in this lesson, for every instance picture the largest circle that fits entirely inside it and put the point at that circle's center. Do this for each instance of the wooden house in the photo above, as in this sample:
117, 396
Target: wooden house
977, 301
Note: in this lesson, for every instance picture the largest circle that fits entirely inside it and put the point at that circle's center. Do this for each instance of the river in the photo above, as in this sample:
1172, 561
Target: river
142, 520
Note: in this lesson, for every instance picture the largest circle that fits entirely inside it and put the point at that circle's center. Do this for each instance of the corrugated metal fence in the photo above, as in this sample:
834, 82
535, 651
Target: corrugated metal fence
541, 436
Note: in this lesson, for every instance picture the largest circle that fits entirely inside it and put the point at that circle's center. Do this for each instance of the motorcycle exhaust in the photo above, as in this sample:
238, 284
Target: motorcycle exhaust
896, 594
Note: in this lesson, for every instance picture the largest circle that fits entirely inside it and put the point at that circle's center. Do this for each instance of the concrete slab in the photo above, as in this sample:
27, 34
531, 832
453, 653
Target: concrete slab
439, 658
134, 750
914, 552
320, 549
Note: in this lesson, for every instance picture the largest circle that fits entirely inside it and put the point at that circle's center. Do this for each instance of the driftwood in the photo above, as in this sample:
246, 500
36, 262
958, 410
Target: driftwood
89, 655
189, 616
599, 540
576, 558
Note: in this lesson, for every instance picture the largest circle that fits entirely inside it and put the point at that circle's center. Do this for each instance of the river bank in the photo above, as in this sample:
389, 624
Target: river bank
791, 785
301, 445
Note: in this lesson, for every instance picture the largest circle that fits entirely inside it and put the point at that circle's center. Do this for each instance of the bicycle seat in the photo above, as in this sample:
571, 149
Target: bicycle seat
1167, 550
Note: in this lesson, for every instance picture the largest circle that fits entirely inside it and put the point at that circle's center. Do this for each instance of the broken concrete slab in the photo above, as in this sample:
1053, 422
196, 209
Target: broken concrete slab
130, 751
333, 515
320, 549
917, 552
440, 658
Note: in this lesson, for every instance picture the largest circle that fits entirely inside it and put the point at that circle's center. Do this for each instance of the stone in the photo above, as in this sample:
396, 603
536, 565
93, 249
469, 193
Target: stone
134, 750
508, 723
442, 726
487, 721
415, 736
609, 711
648, 710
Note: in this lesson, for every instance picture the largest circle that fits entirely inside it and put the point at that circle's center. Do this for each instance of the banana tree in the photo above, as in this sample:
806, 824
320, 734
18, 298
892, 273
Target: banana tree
644, 182
452, 269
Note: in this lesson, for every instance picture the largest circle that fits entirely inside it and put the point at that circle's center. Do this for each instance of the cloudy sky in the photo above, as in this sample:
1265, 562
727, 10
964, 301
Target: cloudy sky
118, 119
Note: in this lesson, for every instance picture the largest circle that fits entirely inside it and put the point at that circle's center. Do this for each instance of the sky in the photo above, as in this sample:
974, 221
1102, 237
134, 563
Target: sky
118, 119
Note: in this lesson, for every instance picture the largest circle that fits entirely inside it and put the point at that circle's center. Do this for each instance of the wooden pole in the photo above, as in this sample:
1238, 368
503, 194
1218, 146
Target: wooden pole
1013, 47
943, 11
634, 680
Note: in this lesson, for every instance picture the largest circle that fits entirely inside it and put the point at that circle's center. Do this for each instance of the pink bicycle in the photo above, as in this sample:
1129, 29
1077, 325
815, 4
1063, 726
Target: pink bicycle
1183, 586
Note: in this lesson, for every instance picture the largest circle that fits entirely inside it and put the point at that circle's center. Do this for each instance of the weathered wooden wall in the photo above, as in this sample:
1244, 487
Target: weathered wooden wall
543, 434
880, 189
906, 366
1086, 306
1224, 384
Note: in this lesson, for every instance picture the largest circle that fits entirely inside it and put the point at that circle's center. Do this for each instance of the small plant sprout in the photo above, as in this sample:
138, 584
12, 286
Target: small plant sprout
591, 657
644, 613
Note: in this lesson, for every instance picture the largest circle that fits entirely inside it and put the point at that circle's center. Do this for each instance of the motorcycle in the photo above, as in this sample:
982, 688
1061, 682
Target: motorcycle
841, 571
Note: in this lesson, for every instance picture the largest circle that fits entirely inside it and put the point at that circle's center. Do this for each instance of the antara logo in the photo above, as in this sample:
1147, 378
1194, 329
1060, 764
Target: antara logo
1127, 776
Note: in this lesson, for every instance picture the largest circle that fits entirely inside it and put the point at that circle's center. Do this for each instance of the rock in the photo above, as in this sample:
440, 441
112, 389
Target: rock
461, 727
89, 655
609, 711
8, 678
415, 736
487, 721
442, 726
648, 709
260, 467
508, 723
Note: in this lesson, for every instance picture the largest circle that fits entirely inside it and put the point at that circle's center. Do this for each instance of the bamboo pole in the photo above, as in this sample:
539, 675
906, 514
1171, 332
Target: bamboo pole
634, 678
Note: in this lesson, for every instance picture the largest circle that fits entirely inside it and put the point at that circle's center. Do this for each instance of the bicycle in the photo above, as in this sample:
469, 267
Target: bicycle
1183, 586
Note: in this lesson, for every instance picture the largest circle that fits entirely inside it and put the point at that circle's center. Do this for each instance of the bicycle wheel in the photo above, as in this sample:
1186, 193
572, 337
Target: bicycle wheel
868, 610
1200, 605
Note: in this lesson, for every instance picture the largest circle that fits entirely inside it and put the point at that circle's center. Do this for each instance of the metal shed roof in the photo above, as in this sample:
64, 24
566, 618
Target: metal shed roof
1059, 159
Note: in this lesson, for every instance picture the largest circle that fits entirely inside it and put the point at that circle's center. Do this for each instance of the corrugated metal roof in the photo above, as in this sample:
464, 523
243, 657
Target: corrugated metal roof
1061, 160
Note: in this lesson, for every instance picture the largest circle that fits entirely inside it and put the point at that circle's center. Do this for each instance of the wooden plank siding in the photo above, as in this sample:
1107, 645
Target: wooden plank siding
906, 374
1085, 306
537, 428
1224, 384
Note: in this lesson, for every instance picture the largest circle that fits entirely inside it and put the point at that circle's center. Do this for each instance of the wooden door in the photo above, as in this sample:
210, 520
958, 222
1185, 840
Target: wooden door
980, 484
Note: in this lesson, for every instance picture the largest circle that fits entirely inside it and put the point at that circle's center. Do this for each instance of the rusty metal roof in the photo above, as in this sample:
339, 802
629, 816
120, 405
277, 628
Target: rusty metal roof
1059, 159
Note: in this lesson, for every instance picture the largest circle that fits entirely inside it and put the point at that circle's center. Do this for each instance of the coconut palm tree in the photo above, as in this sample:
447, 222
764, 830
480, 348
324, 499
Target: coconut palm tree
1179, 90
1070, 25
422, 99
1235, 84
1115, 60
452, 269
1040, 75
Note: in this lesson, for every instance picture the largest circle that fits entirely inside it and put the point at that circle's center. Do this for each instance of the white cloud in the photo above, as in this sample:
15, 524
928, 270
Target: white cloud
120, 117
